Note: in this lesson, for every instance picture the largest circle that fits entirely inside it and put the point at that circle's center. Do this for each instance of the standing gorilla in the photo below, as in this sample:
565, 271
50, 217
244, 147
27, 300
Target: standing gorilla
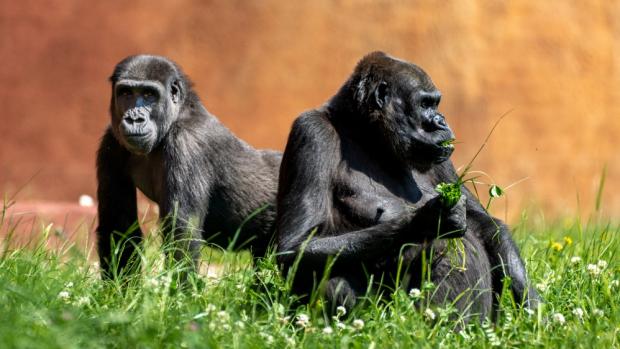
163, 141
357, 185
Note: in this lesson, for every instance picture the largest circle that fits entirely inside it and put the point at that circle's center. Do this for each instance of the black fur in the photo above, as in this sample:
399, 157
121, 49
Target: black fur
357, 183
163, 141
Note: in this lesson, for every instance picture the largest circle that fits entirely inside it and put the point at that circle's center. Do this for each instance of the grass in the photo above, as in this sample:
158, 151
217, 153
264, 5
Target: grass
53, 298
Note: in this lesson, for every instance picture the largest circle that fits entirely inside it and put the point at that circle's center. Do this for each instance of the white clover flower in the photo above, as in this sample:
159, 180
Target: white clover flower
166, 280
152, 282
429, 314
559, 318
541, 286
593, 269
86, 201
240, 324
578, 312
341, 326
69, 284
415, 293
598, 313
223, 315
341, 311
358, 324
303, 320
84, 300
601, 264
210, 308
328, 330
64, 295
268, 338
226, 327
575, 260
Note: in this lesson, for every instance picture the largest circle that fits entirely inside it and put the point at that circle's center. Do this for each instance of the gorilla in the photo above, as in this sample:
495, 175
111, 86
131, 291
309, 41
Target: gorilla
357, 202
207, 182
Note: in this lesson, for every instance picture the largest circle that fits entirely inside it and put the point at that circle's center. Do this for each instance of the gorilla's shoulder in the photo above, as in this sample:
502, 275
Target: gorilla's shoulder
314, 125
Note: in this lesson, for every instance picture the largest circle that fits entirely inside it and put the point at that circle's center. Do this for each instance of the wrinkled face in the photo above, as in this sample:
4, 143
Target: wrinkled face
142, 111
407, 105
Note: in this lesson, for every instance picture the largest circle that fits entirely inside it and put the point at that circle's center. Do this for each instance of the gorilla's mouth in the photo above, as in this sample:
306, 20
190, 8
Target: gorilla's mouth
135, 135
431, 151
444, 149
139, 142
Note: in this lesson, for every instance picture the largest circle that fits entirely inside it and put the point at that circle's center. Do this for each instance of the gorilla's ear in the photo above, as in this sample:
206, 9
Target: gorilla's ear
176, 89
381, 95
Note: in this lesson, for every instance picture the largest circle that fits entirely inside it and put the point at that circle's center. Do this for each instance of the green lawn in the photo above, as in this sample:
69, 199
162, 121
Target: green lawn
55, 299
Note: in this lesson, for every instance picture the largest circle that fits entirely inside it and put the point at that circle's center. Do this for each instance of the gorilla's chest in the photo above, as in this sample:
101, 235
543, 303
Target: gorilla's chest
371, 195
147, 174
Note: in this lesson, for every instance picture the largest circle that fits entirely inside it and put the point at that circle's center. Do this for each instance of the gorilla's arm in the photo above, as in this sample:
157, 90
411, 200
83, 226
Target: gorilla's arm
184, 205
118, 232
503, 253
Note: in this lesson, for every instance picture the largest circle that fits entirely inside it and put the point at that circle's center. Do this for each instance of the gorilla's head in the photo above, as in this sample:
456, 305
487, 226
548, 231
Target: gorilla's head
399, 100
148, 93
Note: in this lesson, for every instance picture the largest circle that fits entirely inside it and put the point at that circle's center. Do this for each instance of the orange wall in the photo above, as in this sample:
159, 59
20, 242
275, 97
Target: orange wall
258, 64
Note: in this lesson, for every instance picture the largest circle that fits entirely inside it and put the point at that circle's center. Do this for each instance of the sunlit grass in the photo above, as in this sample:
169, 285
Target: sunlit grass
54, 298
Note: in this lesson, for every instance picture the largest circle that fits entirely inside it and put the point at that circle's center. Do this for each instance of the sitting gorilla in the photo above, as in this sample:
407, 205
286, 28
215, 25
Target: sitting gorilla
357, 189
163, 141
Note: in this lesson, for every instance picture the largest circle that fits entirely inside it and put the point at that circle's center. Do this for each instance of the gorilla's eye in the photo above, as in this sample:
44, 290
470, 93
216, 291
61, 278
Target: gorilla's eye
427, 103
149, 94
124, 91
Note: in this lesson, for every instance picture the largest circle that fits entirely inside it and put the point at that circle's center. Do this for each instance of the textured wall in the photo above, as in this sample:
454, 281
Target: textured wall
258, 64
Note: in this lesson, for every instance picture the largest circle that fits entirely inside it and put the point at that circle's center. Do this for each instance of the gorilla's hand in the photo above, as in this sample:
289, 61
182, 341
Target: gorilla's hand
453, 223
434, 221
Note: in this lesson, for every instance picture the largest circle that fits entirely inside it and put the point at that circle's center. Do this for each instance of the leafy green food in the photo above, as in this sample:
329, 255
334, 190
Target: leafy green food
449, 193
448, 143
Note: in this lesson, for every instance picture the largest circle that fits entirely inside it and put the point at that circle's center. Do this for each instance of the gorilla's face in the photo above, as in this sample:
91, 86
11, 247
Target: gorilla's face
407, 103
142, 112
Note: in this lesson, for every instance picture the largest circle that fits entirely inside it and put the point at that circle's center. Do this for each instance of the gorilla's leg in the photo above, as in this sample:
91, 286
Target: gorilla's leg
341, 291
462, 276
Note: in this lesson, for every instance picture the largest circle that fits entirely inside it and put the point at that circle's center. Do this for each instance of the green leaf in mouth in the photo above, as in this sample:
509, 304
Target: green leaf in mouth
449, 143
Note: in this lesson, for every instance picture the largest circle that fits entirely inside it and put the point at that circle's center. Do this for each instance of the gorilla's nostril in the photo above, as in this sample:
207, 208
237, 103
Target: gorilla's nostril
439, 121
134, 120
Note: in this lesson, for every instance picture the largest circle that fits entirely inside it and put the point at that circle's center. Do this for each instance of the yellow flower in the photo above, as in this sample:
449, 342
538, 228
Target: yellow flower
568, 241
557, 246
